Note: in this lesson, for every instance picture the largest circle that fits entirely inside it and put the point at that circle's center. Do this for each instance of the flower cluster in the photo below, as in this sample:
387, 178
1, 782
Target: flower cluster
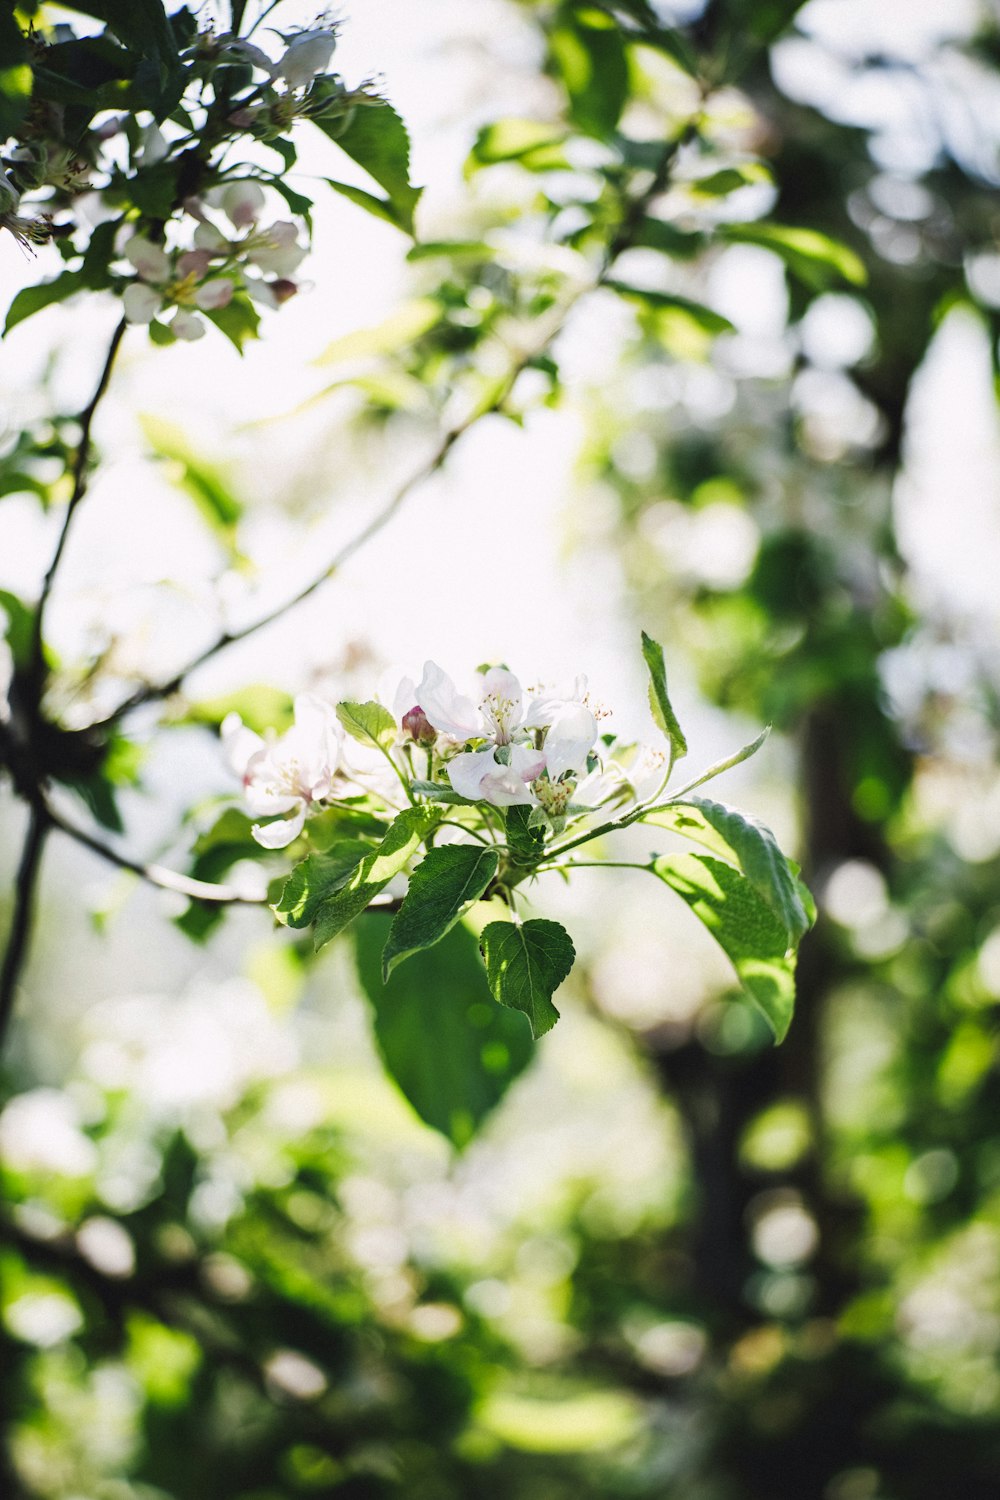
207, 276
500, 746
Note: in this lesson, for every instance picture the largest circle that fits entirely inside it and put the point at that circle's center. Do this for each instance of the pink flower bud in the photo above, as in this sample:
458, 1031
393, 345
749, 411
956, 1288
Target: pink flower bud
283, 289
196, 262
417, 725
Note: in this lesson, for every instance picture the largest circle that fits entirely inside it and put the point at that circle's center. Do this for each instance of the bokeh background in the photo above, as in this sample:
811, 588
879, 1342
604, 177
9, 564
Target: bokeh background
675, 1261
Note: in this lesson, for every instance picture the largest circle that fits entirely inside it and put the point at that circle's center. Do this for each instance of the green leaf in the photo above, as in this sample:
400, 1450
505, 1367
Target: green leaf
705, 318
524, 839
750, 846
659, 701
15, 75
525, 964
15, 94
405, 325
368, 723
315, 878
258, 704
588, 54
452, 1050
20, 631
727, 180
446, 881
215, 852
204, 483
376, 139
373, 874
143, 27
380, 208
717, 768
239, 320
743, 925
817, 260
679, 244
32, 299
526, 141
436, 791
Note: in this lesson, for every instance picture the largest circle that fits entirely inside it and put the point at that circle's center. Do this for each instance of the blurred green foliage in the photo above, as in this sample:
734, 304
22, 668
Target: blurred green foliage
812, 1309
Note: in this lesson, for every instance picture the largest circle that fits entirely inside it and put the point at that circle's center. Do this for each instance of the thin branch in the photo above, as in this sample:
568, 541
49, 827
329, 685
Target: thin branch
21, 919
153, 874
620, 241
36, 665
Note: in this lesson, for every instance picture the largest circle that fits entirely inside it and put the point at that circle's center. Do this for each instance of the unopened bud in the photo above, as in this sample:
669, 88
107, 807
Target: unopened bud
417, 725
283, 289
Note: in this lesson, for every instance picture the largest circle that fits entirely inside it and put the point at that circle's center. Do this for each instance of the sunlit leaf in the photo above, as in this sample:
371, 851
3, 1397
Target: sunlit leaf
526, 963
659, 699
817, 260
744, 926
374, 872
451, 1049
446, 882
748, 844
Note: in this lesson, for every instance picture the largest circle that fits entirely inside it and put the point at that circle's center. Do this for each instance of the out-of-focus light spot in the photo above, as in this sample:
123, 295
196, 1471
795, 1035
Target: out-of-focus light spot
855, 893
40, 1132
433, 1322
836, 332
43, 1318
671, 1348
378, 1247
758, 1351
931, 1176
988, 964
107, 1246
545, 1262
291, 1374
901, 197
783, 1233
581, 1424
778, 1137
853, 1484
226, 1277
490, 1298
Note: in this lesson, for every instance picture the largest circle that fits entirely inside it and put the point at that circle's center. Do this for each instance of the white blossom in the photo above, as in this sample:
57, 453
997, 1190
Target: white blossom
289, 774
307, 54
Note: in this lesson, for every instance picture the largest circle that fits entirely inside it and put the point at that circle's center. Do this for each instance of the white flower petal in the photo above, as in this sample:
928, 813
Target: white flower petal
213, 294
404, 699
466, 771
207, 237
239, 743
141, 303
280, 835
184, 325
527, 762
570, 738
242, 203
445, 707
151, 261
308, 55
500, 704
504, 788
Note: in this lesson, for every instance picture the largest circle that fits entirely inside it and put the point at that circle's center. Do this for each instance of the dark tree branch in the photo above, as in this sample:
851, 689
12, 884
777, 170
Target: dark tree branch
19, 933
632, 217
36, 663
153, 874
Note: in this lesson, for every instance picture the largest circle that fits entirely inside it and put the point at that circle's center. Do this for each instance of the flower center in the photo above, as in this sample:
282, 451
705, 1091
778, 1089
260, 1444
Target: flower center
499, 712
